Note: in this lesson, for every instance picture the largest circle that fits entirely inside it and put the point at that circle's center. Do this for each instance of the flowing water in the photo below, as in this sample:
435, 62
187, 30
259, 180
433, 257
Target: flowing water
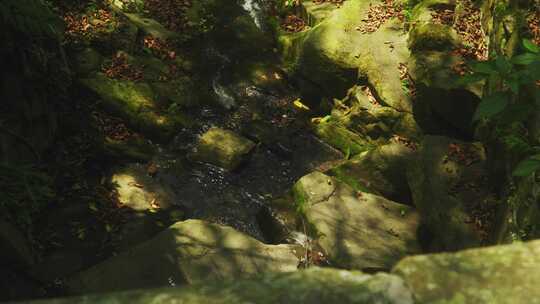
253, 7
285, 149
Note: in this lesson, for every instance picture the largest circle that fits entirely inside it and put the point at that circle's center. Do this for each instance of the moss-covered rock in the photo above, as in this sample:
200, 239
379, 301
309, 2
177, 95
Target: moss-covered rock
222, 148
381, 171
433, 37
314, 12
135, 149
179, 93
315, 285
357, 230
426, 34
330, 57
375, 121
338, 136
87, 61
459, 277
167, 80
441, 106
326, 55
139, 191
447, 181
379, 63
151, 27
135, 102
188, 252
499, 274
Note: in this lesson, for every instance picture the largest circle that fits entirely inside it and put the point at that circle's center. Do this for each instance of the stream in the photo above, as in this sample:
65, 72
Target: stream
252, 98
285, 150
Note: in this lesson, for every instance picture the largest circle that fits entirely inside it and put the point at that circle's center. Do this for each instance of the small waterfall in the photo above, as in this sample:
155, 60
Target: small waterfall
254, 9
225, 98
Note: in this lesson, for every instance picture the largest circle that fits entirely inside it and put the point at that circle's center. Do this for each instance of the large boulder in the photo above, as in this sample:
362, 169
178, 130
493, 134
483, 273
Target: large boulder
358, 230
447, 179
326, 54
499, 274
333, 54
441, 106
315, 12
222, 148
187, 252
137, 103
384, 53
315, 285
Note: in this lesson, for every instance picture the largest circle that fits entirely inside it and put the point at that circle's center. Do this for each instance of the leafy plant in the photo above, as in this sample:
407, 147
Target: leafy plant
506, 102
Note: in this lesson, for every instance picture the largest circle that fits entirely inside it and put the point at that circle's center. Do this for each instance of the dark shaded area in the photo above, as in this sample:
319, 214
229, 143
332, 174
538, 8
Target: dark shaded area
445, 112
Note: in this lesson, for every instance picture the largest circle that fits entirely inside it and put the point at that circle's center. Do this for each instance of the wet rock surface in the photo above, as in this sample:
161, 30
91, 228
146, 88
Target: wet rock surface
222, 148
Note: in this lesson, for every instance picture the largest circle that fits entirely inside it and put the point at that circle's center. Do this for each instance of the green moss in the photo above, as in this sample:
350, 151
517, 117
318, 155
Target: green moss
313, 285
136, 149
341, 173
301, 207
87, 61
290, 46
135, 102
430, 36
300, 200
341, 138
151, 27
222, 148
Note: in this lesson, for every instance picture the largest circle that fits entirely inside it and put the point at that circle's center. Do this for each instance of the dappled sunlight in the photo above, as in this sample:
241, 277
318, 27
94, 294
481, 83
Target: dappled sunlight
188, 252
222, 151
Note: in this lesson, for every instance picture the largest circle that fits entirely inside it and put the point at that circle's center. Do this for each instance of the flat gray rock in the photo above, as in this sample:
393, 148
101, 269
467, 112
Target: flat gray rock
357, 230
187, 252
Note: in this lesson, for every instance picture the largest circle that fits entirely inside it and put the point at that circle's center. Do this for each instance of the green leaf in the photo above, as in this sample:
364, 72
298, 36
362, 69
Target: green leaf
530, 46
490, 106
516, 112
534, 70
503, 65
513, 83
486, 67
469, 79
525, 59
525, 76
515, 144
527, 166
348, 153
